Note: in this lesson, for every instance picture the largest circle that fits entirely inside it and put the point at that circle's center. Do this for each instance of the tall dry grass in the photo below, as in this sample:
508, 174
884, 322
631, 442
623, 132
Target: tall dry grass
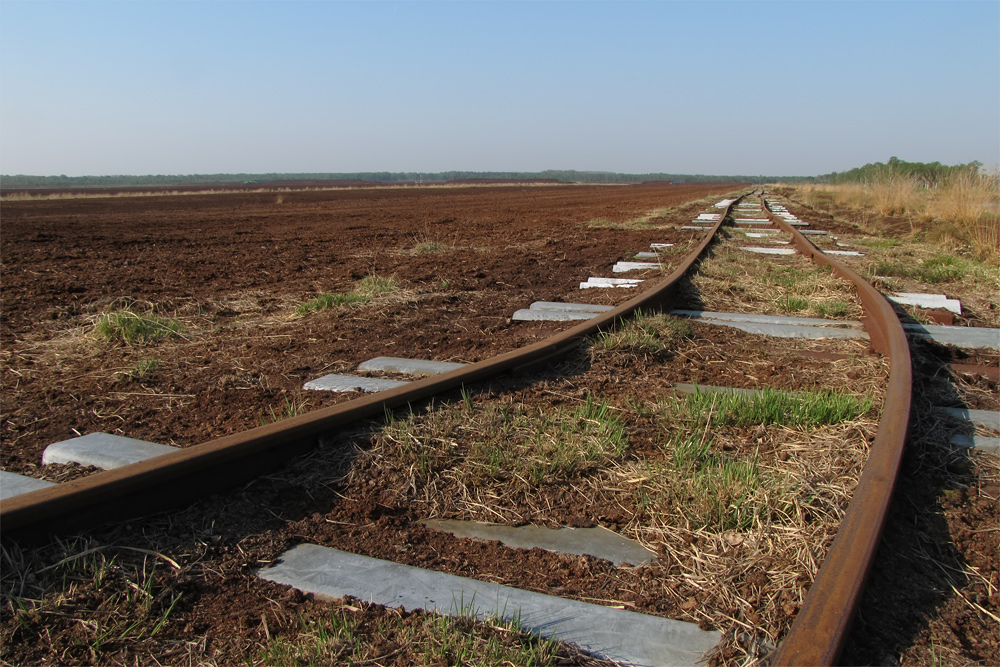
965, 208
972, 203
894, 194
890, 195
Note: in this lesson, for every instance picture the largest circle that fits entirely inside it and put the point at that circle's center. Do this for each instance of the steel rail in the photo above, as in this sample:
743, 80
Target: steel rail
820, 629
179, 477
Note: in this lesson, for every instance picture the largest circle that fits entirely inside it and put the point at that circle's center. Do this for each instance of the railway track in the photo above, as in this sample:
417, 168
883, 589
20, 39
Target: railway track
819, 631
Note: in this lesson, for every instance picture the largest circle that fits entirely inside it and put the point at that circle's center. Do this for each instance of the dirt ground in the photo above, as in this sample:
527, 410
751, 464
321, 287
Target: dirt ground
232, 268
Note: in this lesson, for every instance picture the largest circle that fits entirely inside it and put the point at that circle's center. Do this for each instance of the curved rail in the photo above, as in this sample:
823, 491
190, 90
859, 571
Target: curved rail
179, 477
819, 631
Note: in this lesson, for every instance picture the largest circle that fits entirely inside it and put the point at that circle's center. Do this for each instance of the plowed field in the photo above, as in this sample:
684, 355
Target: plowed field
231, 268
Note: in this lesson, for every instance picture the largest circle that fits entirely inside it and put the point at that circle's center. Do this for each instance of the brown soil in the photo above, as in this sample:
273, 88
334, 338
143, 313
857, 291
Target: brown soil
232, 268
245, 354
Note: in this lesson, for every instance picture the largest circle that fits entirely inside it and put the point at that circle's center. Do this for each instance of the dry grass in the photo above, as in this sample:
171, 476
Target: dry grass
740, 281
137, 603
429, 247
646, 334
963, 209
642, 223
893, 195
508, 451
972, 203
346, 636
367, 288
741, 514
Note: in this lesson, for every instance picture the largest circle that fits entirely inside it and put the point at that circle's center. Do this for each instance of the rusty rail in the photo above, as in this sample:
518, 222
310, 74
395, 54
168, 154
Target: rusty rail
819, 631
179, 477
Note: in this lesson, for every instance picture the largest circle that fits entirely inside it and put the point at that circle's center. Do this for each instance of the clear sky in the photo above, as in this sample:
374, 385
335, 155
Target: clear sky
747, 87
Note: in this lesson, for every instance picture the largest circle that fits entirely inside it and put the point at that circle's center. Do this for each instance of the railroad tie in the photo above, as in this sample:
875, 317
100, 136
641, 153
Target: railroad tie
345, 383
12, 484
597, 541
623, 267
613, 634
417, 367
609, 283
768, 251
103, 450
982, 442
923, 300
554, 311
969, 419
973, 337
779, 326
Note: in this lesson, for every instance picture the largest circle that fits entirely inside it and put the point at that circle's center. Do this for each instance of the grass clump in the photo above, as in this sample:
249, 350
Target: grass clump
375, 285
291, 407
786, 276
724, 490
506, 444
327, 300
430, 247
142, 370
366, 289
712, 489
792, 304
832, 308
770, 407
360, 636
116, 600
934, 270
651, 334
127, 326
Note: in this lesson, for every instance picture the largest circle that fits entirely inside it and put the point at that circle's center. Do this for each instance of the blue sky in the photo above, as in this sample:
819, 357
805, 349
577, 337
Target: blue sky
776, 88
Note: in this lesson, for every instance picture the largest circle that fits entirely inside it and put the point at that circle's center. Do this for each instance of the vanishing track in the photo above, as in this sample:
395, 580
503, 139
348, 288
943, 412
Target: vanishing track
820, 629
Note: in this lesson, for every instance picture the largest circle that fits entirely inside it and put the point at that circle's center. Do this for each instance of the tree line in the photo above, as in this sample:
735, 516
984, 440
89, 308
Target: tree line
567, 176
927, 174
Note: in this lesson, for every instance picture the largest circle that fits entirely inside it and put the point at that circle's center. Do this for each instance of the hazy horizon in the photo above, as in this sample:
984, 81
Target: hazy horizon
714, 88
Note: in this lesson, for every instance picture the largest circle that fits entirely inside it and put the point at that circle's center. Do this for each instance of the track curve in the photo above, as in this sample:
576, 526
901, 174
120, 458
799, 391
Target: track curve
818, 634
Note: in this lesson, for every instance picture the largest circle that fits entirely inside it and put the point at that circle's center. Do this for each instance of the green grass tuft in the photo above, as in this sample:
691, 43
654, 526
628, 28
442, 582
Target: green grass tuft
367, 288
712, 489
647, 334
806, 410
328, 300
373, 285
509, 444
939, 269
344, 637
143, 369
292, 407
792, 304
834, 308
127, 326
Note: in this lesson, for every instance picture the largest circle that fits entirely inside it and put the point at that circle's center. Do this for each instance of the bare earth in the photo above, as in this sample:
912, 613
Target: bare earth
231, 268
